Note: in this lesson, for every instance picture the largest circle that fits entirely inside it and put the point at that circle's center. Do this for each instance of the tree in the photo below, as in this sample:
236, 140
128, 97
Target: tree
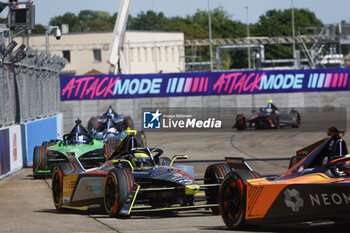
279, 23
38, 29
222, 25
197, 27
96, 25
86, 21
191, 29
92, 21
272, 23
150, 21
68, 18
87, 15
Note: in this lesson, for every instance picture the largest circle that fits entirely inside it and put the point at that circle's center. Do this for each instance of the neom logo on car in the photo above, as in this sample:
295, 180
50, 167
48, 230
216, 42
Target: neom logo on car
325, 199
293, 200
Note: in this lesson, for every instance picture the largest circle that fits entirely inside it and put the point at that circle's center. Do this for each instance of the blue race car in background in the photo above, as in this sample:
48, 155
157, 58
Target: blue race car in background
99, 124
134, 179
111, 127
268, 118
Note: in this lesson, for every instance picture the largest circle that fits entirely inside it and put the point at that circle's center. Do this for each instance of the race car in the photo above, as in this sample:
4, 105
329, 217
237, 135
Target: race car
111, 133
134, 180
120, 122
79, 141
109, 129
104, 142
268, 118
315, 191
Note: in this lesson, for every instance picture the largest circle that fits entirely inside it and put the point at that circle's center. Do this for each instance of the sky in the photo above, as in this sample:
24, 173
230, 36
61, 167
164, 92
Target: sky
329, 12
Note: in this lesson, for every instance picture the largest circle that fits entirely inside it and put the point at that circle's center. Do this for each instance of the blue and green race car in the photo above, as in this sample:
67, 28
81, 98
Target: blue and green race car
134, 179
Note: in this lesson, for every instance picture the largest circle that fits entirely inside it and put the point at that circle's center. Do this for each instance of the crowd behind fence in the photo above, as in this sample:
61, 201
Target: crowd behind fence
29, 84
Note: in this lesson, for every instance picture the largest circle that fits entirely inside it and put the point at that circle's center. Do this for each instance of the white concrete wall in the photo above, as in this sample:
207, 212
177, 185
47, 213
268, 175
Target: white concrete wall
132, 107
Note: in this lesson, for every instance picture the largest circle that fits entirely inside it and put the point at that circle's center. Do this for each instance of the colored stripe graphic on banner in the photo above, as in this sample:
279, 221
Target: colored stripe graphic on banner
180, 85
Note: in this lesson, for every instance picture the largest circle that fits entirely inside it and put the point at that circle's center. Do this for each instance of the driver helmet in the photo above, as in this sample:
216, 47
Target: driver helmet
81, 139
140, 159
112, 130
270, 101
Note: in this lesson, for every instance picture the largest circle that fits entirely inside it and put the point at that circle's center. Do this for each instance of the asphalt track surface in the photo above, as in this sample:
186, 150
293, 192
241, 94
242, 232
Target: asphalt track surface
26, 204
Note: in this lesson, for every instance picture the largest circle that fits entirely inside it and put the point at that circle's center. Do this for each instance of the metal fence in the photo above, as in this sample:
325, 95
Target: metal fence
29, 84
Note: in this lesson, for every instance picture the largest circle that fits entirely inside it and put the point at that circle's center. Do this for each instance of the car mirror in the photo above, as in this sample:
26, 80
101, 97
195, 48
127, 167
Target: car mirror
178, 157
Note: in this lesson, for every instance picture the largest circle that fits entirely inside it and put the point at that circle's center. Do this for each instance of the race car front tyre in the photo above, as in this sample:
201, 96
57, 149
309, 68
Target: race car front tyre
109, 147
118, 185
43, 169
214, 174
232, 197
39, 160
57, 187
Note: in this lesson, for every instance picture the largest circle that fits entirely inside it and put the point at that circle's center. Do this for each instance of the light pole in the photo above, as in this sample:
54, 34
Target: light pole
248, 42
58, 35
210, 39
293, 33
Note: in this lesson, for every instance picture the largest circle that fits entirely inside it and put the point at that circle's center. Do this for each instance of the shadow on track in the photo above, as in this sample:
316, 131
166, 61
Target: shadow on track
334, 228
92, 211
152, 215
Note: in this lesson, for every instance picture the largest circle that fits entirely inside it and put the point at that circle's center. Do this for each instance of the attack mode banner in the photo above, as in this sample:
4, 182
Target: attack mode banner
194, 84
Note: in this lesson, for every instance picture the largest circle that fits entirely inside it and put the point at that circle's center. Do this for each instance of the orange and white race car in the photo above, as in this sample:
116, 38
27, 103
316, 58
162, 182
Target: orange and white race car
314, 191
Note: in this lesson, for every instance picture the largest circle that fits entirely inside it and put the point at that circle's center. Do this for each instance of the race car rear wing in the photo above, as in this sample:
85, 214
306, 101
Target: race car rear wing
237, 163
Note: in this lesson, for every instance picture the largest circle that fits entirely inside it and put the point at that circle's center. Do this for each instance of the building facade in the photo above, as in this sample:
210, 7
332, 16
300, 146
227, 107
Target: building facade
144, 51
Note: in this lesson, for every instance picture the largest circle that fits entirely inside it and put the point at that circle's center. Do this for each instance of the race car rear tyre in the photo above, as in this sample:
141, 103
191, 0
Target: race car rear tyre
36, 160
214, 174
295, 115
57, 187
275, 120
118, 184
39, 160
240, 122
109, 147
93, 124
128, 123
54, 142
232, 197
43, 155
